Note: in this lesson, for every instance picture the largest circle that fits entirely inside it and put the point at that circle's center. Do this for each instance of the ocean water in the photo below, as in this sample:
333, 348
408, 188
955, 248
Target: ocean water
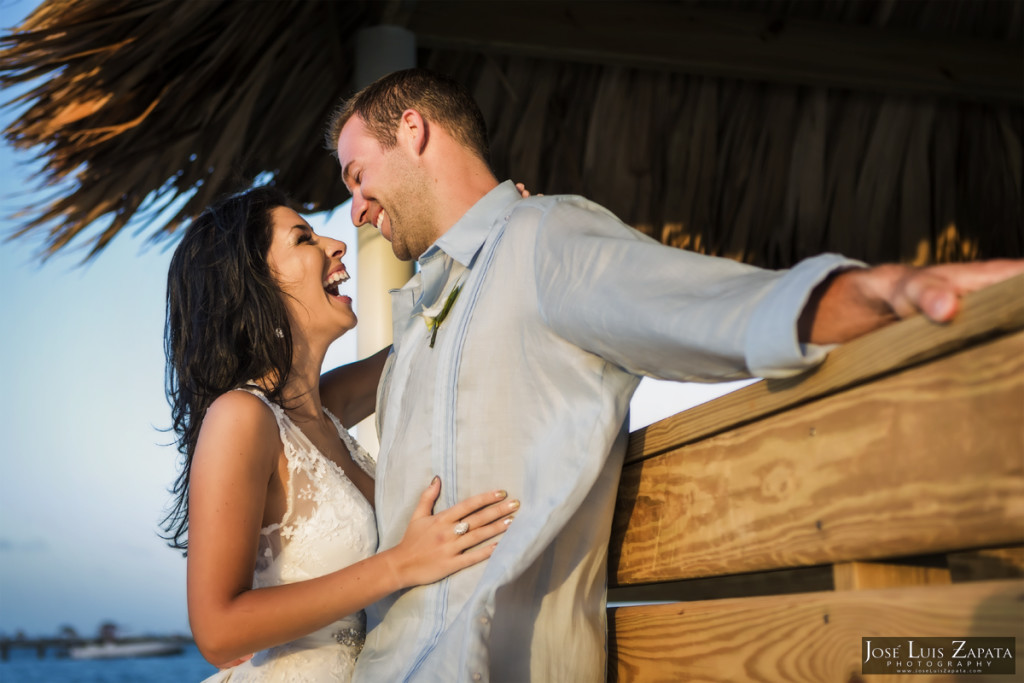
24, 667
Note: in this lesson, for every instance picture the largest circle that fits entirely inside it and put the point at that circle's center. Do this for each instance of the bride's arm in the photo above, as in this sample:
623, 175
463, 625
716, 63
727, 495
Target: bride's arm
238, 451
350, 391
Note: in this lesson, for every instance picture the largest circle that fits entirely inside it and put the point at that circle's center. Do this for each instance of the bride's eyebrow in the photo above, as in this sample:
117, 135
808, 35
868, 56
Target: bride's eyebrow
304, 230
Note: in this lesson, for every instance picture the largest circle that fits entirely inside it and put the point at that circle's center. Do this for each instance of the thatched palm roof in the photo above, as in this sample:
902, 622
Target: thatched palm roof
762, 130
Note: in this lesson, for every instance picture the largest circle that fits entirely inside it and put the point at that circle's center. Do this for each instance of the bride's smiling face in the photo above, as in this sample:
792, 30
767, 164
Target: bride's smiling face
309, 269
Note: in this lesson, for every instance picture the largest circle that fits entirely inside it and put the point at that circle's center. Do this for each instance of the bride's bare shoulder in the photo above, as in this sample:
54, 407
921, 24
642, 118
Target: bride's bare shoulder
241, 421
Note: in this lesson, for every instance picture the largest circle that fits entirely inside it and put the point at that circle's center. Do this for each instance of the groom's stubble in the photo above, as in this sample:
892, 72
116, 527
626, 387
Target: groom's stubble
412, 210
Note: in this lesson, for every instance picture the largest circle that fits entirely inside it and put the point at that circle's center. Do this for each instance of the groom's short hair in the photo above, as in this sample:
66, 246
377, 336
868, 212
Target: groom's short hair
438, 98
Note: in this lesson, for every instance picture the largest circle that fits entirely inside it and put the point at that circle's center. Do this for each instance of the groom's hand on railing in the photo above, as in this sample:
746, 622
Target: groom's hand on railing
853, 302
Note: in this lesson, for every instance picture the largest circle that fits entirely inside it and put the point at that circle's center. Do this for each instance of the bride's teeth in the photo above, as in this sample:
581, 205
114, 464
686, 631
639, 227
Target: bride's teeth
335, 278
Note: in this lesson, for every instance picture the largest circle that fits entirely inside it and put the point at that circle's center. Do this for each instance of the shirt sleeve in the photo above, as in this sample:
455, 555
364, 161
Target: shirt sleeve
669, 313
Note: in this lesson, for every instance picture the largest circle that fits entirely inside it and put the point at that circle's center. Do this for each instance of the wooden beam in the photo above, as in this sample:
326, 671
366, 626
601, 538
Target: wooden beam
728, 44
920, 462
990, 312
812, 637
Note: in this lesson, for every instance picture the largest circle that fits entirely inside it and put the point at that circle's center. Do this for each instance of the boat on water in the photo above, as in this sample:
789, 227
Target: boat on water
118, 650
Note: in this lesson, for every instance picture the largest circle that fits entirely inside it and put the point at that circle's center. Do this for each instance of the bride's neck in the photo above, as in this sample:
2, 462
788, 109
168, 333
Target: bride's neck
301, 391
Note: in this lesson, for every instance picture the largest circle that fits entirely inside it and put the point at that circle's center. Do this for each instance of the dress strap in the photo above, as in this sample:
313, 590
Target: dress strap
293, 438
274, 408
285, 427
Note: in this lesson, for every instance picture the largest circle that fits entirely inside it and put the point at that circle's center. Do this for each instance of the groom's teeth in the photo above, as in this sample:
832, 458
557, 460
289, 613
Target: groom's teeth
380, 220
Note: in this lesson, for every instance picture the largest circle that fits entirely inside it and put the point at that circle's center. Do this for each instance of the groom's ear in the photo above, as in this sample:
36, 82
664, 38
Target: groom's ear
413, 131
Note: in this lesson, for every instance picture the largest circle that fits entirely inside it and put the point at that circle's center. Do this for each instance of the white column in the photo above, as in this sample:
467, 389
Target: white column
379, 272
380, 50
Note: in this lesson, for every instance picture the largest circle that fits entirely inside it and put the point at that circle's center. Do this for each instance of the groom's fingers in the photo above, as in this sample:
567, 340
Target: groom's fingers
935, 291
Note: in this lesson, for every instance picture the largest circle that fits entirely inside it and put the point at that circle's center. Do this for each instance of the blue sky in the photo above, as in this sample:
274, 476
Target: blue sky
85, 474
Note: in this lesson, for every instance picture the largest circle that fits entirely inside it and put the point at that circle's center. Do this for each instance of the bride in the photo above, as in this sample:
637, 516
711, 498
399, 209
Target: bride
274, 501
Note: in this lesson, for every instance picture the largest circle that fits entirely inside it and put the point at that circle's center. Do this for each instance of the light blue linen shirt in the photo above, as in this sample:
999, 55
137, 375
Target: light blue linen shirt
527, 388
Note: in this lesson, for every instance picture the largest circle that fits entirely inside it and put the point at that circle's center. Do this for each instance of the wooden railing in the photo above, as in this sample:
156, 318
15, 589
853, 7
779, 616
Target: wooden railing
881, 495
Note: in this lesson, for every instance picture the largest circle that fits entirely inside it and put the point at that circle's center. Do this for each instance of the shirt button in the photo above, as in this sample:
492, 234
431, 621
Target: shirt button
484, 621
478, 677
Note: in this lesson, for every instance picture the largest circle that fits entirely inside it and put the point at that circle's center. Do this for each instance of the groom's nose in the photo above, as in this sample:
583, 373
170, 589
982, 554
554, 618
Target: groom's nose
360, 206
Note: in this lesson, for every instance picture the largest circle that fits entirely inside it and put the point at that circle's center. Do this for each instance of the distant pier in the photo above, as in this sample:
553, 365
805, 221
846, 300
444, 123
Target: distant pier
61, 646
58, 645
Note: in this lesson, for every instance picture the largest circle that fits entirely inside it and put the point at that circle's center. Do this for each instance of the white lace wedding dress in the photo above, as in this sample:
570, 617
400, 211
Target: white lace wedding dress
328, 525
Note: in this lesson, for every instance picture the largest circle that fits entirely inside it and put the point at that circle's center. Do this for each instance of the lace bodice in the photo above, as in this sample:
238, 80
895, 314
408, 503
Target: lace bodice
328, 525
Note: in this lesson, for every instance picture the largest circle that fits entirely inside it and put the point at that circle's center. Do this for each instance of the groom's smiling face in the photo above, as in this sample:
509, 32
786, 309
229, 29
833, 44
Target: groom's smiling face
388, 190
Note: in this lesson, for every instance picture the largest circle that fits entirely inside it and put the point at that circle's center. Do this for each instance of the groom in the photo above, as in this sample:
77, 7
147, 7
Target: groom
517, 347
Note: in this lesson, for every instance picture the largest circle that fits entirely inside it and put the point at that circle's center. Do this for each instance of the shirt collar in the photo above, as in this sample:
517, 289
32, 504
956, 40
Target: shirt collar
463, 240
460, 243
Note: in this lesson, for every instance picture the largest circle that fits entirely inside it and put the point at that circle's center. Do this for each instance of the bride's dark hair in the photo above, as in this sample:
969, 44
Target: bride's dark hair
226, 323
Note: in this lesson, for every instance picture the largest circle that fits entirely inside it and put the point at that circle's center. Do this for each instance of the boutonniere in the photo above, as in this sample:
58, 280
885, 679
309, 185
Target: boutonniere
435, 315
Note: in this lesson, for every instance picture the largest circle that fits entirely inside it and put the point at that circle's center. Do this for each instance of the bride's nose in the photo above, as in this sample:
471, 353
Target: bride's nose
335, 248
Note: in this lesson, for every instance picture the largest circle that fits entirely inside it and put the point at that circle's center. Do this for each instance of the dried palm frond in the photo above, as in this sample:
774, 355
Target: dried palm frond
140, 105
146, 102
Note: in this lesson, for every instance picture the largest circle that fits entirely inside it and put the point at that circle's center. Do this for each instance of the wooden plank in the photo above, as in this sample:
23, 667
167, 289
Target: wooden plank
988, 313
729, 44
924, 461
872, 575
815, 637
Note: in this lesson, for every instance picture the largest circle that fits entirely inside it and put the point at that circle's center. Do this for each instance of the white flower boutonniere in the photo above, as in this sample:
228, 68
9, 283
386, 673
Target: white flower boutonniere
435, 315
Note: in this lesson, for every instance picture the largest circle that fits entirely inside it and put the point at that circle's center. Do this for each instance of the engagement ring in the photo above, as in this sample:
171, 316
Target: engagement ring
461, 528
